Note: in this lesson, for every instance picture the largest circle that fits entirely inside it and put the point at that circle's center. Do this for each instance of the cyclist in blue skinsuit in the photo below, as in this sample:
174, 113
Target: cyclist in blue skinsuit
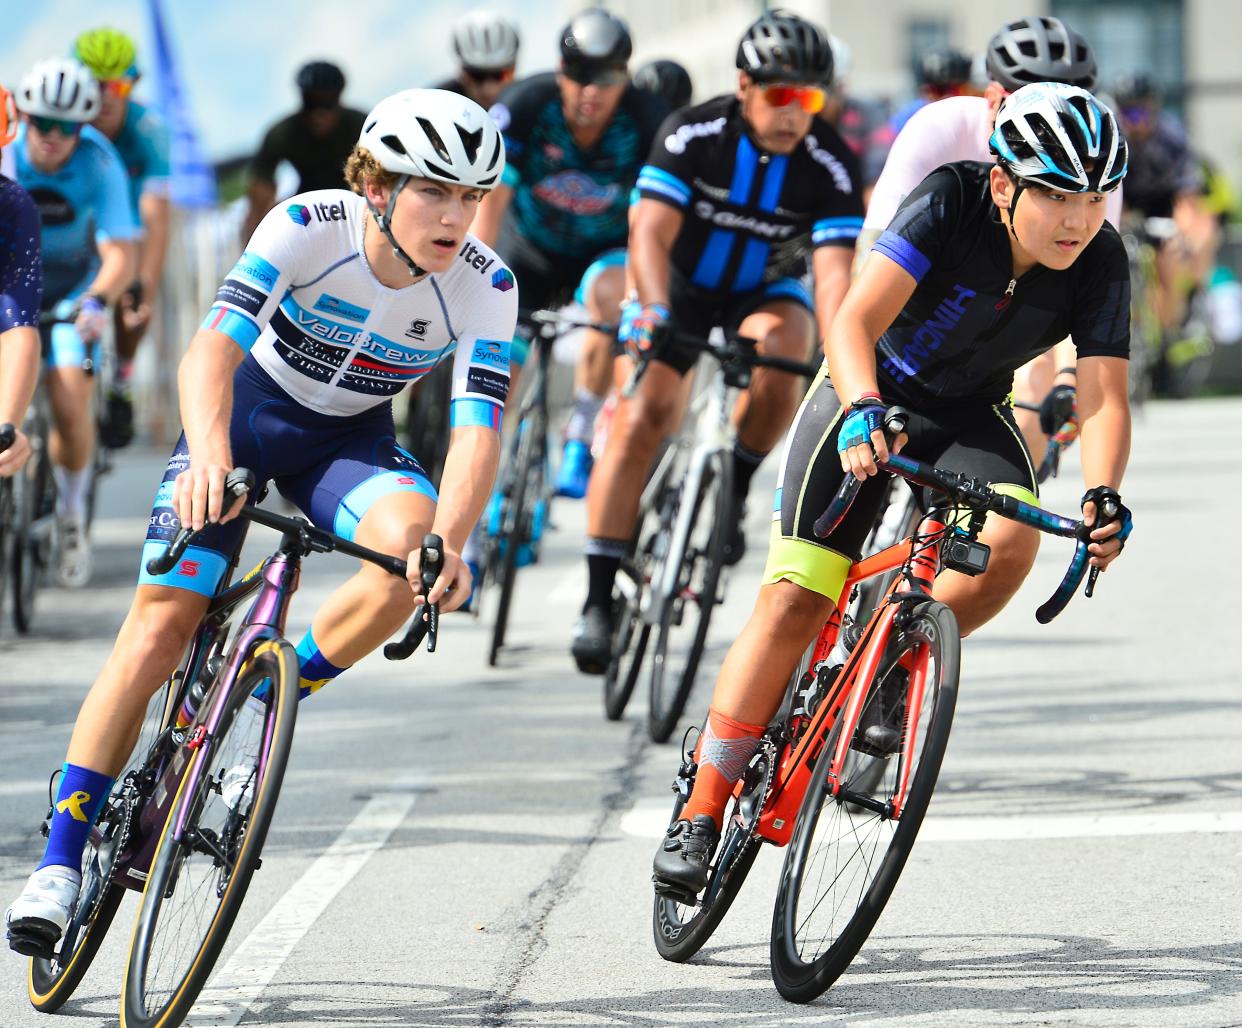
340, 300
78, 183
142, 142
21, 295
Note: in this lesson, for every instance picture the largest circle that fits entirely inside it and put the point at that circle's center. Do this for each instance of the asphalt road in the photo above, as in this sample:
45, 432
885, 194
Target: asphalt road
457, 845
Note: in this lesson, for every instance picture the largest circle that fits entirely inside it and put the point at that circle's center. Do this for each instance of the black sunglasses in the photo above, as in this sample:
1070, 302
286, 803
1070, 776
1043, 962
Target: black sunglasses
587, 73
489, 74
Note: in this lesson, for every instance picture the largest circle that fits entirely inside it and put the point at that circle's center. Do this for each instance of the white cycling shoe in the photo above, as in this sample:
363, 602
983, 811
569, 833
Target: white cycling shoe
37, 918
74, 568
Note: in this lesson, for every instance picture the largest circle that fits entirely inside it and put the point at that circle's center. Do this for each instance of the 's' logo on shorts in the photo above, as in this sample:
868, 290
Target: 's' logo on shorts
299, 214
502, 279
189, 568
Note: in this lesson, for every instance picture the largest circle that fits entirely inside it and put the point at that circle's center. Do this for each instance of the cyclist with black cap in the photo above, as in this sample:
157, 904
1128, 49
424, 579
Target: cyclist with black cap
316, 140
486, 47
738, 195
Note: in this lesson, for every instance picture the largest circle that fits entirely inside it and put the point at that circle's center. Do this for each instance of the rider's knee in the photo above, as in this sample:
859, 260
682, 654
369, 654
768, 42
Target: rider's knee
606, 293
160, 628
791, 609
643, 421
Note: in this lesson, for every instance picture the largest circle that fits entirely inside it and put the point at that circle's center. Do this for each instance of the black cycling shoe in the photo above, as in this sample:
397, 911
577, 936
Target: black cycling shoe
884, 719
592, 645
116, 429
682, 862
735, 542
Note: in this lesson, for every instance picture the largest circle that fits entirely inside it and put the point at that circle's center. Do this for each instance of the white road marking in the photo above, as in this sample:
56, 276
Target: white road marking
649, 820
241, 980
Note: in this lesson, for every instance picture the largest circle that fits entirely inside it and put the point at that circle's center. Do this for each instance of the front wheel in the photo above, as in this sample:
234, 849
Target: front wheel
849, 845
224, 800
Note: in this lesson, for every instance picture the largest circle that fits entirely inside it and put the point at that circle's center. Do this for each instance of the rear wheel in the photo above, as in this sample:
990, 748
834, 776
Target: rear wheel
427, 429
682, 632
225, 798
633, 633
849, 846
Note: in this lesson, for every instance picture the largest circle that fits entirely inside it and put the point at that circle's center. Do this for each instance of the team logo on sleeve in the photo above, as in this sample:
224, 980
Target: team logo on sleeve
502, 279
298, 214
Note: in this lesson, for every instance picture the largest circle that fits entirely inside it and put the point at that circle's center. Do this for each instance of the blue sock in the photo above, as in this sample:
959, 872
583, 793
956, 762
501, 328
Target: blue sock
79, 799
315, 669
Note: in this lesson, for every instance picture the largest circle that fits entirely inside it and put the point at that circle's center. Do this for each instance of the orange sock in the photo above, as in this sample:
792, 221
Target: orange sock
724, 750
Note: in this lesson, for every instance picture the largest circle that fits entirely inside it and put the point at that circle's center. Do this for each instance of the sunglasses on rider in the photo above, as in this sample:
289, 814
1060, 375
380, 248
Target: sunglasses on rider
490, 74
809, 98
120, 88
587, 73
48, 125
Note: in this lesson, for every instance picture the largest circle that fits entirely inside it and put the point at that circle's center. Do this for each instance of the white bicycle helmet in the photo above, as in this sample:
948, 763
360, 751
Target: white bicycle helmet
485, 41
435, 134
59, 88
1061, 137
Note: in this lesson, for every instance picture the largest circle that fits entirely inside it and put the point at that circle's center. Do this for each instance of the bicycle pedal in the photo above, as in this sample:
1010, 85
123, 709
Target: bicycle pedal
672, 892
33, 939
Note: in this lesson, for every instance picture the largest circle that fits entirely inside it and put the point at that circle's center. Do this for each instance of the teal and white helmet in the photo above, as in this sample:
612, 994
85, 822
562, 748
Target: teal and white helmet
1060, 137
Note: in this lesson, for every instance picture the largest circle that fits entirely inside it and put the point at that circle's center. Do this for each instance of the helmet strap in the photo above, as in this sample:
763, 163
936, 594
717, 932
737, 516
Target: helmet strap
384, 220
1018, 187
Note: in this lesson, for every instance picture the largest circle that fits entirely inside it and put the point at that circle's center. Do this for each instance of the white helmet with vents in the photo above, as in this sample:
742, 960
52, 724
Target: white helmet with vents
432, 133
59, 88
485, 41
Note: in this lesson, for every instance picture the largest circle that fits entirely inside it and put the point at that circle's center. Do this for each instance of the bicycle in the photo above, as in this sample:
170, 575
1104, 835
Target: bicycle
814, 773
36, 540
671, 579
518, 510
8, 518
186, 822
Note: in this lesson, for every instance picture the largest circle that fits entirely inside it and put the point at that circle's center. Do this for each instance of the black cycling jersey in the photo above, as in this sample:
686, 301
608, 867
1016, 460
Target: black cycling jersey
568, 201
21, 270
751, 216
960, 336
1161, 168
318, 160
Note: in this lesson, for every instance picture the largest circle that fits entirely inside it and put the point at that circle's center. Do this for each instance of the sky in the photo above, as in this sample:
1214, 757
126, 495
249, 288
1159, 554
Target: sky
238, 59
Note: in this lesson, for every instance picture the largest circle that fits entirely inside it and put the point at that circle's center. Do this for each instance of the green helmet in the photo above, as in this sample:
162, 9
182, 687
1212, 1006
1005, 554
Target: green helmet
108, 53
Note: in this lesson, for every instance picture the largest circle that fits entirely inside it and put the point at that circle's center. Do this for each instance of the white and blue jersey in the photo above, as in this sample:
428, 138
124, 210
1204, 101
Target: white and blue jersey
82, 203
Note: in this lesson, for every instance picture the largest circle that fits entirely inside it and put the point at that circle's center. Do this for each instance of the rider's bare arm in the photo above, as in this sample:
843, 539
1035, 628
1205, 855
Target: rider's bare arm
491, 214
156, 212
832, 278
654, 229
117, 261
1104, 417
872, 304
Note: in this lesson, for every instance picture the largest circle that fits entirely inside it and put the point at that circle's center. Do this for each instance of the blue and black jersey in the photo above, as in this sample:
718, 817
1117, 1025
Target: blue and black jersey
751, 216
963, 332
21, 273
568, 201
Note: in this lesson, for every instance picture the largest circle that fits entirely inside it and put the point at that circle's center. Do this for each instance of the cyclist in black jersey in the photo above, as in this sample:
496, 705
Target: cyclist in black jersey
486, 47
21, 295
737, 195
982, 266
316, 140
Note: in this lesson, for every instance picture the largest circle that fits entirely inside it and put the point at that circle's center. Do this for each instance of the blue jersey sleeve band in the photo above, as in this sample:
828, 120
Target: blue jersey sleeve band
904, 253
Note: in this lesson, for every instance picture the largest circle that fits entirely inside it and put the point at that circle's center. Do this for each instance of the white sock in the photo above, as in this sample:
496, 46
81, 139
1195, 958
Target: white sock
581, 425
71, 490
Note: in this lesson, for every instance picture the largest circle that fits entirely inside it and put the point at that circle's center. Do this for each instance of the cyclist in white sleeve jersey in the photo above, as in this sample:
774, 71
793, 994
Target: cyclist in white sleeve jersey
340, 300
1036, 49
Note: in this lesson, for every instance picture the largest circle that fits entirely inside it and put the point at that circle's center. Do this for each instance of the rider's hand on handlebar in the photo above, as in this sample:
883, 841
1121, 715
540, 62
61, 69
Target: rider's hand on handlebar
14, 457
861, 442
647, 330
198, 495
1109, 538
452, 587
1059, 407
92, 319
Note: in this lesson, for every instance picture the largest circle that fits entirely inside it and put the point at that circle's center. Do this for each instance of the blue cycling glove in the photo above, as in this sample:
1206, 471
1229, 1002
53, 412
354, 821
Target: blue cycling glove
1104, 498
861, 419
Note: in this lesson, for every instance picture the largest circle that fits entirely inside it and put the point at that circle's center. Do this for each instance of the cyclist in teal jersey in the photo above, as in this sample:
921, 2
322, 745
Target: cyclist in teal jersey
142, 142
76, 180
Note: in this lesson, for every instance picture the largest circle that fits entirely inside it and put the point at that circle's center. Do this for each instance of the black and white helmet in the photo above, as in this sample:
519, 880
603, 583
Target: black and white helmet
1061, 137
432, 133
59, 88
485, 41
1040, 50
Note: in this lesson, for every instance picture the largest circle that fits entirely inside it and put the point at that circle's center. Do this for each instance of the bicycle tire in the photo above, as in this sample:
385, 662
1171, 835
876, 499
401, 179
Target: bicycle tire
8, 535
532, 441
801, 980
633, 633
680, 930
273, 661
50, 982
35, 485
699, 576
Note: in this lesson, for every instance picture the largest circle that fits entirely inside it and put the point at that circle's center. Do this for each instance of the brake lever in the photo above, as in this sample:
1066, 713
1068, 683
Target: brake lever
236, 485
1108, 511
426, 622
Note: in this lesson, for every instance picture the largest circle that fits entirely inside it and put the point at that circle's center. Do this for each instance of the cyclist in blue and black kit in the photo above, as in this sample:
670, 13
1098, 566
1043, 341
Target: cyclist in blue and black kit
576, 139
142, 142
78, 182
292, 375
21, 295
738, 196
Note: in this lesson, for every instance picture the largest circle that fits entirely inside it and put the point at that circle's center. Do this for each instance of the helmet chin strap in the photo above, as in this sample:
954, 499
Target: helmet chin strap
383, 220
1013, 206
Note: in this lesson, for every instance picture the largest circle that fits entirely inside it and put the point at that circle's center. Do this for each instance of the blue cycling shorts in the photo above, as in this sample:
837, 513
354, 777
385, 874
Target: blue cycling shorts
332, 468
62, 346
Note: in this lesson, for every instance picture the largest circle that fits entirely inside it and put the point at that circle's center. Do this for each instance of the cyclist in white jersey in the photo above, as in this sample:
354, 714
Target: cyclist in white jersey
1036, 49
339, 301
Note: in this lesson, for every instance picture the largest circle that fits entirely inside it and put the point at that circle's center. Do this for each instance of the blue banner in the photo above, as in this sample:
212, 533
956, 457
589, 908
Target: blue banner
192, 180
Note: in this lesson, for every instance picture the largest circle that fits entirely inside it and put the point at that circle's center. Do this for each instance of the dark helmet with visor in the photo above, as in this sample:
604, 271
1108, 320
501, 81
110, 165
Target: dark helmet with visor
782, 47
595, 47
667, 79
